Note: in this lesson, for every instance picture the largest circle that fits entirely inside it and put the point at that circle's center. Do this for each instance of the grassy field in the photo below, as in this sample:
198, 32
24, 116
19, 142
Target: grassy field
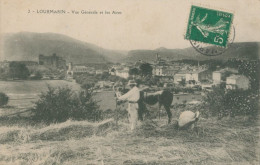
229, 141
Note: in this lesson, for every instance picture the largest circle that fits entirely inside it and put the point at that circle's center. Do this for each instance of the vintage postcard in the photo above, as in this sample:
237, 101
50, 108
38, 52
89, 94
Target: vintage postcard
112, 82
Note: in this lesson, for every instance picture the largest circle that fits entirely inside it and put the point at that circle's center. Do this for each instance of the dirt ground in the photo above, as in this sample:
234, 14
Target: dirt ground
226, 141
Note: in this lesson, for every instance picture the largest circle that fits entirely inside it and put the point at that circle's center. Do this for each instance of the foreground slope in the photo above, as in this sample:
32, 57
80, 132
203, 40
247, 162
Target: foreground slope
226, 142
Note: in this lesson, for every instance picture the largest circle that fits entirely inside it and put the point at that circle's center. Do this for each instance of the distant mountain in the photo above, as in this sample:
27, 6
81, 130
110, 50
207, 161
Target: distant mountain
27, 46
242, 50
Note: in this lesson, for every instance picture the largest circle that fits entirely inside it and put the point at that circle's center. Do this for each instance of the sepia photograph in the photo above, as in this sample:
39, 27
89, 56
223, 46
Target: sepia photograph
111, 82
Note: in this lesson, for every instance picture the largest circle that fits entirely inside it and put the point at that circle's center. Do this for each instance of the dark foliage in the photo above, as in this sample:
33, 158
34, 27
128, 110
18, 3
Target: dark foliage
18, 70
182, 82
134, 71
88, 81
214, 101
3, 73
61, 104
146, 69
3, 99
148, 80
231, 102
251, 69
239, 102
213, 64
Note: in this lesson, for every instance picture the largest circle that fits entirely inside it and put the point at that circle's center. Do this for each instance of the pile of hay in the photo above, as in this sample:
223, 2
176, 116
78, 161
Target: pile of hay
56, 132
14, 134
9, 136
65, 133
74, 130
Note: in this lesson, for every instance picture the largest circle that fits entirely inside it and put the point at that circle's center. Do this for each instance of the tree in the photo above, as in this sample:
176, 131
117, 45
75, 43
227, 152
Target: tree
214, 102
113, 70
61, 104
251, 69
146, 69
182, 82
133, 71
3, 73
3, 99
18, 70
222, 85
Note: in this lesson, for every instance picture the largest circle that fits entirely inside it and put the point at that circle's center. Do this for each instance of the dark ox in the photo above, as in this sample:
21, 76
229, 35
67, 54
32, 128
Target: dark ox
163, 97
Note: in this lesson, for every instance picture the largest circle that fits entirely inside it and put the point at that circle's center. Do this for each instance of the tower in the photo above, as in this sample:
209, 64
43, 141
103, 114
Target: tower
70, 66
157, 57
70, 70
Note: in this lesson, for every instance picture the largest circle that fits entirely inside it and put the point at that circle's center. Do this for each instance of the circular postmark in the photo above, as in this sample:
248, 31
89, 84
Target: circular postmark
213, 50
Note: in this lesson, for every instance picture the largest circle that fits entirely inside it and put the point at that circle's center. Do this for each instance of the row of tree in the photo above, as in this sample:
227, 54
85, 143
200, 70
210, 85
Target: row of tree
15, 70
18, 70
144, 69
87, 80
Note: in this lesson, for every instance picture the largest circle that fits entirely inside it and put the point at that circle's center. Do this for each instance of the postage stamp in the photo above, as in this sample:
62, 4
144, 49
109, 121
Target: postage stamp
213, 50
209, 26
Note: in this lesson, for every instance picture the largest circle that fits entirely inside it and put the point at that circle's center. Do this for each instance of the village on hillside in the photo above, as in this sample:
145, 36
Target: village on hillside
168, 73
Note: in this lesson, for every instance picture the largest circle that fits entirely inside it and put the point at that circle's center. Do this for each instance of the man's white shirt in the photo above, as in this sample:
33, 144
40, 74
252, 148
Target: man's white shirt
133, 95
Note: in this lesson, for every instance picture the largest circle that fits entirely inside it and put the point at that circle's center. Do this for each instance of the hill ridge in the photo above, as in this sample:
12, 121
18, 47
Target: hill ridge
243, 50
26, 46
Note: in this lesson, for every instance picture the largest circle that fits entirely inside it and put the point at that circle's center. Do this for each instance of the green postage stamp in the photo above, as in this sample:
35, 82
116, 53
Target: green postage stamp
209, 26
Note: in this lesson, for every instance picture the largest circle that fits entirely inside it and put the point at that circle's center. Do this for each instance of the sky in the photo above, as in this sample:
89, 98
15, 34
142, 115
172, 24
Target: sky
142, 24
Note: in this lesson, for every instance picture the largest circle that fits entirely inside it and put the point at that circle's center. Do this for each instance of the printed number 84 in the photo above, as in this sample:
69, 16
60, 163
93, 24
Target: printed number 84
218, 39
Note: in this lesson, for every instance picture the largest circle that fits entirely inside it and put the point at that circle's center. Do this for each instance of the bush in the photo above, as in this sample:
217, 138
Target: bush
231, 103
214, 101
178, 89
18, 70
239, 102
3, 99
61, 104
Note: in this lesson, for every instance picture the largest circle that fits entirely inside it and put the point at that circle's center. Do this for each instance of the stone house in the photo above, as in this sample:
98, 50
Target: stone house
237, 82
221, 75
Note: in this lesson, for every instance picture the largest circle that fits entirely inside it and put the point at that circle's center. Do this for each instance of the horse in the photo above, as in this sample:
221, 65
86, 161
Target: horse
163, 97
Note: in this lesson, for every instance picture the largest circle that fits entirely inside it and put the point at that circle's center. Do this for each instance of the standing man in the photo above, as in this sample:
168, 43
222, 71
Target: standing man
132, 96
